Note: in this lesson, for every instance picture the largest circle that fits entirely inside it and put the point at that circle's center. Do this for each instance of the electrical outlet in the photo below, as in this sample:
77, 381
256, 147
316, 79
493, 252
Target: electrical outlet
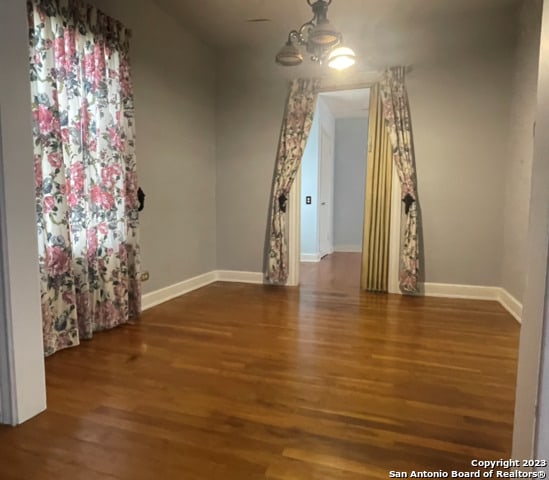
144, 276
308, 200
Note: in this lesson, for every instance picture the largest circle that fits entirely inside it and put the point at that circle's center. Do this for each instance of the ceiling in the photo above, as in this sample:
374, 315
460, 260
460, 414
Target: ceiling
379, 27
348, 103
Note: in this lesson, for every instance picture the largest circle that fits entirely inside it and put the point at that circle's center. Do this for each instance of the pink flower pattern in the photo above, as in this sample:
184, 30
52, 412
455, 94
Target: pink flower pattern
58, 261
296, 126
396, 110
49, 203
55, 159
85, 171
47, 119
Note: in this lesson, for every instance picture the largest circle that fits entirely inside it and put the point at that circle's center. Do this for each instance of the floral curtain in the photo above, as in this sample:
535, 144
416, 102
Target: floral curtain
396, 110
296, 126
85, 170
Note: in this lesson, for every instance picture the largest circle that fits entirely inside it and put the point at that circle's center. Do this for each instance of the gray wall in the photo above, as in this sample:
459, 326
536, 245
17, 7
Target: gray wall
518, 161
351, 145
249, 117
18, 230
460, 119
174, 80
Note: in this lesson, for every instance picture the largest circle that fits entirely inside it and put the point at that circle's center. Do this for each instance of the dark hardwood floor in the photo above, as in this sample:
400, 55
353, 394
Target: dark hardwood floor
251, 382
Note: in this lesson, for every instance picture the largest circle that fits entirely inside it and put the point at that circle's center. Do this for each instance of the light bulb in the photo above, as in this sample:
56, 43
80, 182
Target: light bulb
341, 58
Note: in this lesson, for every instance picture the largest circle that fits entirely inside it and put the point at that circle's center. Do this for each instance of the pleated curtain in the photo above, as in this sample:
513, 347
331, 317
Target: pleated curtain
296, 126
396, 110
85, 171
377, 212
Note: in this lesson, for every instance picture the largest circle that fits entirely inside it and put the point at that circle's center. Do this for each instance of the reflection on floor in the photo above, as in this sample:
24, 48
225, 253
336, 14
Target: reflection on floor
338, 271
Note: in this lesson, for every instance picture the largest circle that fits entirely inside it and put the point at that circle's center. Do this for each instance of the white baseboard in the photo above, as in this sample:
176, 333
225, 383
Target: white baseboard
475, 292
157, 297
163, 295
310, 257
472, 292
348, 248
447, 290
511, 304
239, 277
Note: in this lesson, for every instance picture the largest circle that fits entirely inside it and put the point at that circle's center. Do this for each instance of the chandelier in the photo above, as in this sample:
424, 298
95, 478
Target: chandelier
320, 40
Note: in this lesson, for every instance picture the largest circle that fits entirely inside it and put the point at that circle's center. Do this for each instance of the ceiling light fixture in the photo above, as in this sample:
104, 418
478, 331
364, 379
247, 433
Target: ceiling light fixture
341, 58
319, 38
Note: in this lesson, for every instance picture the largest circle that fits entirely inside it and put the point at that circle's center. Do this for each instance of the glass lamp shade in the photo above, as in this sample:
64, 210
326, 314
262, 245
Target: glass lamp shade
341, 58
289, 55
324, 35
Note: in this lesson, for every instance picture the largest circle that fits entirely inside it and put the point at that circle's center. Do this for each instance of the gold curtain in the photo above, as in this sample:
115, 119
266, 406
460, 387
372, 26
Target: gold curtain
377, 212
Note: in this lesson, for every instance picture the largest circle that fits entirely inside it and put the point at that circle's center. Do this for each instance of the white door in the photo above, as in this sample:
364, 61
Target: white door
326, 194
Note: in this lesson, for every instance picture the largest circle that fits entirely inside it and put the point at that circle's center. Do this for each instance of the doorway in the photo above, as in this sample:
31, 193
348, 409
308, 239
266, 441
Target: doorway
305, 198
332, 183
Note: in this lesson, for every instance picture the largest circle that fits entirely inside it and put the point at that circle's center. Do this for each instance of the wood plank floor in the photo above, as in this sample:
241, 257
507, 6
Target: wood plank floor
252, 382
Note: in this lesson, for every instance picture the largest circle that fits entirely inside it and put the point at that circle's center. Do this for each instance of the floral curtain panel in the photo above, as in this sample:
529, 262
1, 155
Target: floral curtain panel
85, 170
296, 126
396, 111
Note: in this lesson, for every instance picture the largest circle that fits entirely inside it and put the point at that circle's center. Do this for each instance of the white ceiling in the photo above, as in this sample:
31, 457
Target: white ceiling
387, 31
348, 103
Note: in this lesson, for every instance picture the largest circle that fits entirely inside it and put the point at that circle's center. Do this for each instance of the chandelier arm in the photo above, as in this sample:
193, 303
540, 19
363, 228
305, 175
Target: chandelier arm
293, 35
306, 25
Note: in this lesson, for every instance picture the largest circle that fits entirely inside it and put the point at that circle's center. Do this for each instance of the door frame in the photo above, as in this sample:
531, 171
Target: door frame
395, 235
8, 403
533, 359
294, 232
294, 225
321, 173
8, 413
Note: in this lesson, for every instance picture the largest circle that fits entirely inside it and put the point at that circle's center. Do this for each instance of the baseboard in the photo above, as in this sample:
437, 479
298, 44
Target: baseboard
348, 248
472, 292
239, 277
511, 304
157, 297
163, 295
310, 257
475, 292
446, 290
